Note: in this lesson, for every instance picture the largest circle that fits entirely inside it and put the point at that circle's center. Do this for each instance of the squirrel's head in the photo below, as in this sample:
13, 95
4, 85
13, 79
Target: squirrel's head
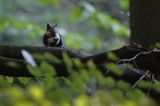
50, 30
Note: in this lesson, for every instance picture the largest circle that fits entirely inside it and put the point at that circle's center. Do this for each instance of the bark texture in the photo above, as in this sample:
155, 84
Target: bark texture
145, 22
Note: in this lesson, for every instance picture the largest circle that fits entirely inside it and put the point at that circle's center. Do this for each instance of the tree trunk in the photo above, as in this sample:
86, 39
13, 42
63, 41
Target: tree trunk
145, 22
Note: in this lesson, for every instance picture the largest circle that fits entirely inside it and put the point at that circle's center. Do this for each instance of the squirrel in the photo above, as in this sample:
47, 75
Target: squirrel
52, 38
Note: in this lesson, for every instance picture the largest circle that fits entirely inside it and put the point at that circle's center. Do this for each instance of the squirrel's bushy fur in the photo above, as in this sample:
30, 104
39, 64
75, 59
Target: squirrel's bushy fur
52, 38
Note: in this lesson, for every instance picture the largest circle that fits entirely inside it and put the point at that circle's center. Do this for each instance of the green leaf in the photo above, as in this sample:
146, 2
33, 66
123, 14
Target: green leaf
123, 85
95, 73
112, 56
24, 80
78, 84
76, 13
46, 56
136, 95
91, 65
157, 45
113, 68
119, 29
103, 20
124, 3
82, 100
144, 84
51, 57
34, 71
111, 24
10, 79
12, 64
84, 75
67, 61
47, 69
50, 83
156, 86
55, 3
110, 82
118, 95
38, 56
78, 63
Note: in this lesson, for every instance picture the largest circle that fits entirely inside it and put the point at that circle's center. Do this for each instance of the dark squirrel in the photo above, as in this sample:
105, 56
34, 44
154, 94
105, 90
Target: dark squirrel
52, 38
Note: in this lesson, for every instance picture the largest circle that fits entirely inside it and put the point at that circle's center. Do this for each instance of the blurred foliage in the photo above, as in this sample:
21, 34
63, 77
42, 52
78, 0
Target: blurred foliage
85, 86
90, 25
156, 45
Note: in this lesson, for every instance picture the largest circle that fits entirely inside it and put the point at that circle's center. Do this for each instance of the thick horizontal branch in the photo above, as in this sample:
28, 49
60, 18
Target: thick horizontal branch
15, 51
20, 70
143, 62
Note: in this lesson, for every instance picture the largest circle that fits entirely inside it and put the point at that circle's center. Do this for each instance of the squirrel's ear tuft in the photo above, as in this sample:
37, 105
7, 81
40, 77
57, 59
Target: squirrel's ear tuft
55, 25
48, 26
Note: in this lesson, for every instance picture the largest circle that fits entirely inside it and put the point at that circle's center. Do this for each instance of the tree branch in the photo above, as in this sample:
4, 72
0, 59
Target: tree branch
145, 61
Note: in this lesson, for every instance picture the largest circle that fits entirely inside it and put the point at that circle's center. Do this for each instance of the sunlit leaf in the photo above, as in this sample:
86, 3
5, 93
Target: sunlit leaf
124, 3
112, 56
128, 103
119, 29
16, 93
36, 92
103, 20
82, 100
113, 68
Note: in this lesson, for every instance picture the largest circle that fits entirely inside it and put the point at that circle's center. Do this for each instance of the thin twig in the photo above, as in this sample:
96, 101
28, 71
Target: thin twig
151, 82
141, 78
133, 58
